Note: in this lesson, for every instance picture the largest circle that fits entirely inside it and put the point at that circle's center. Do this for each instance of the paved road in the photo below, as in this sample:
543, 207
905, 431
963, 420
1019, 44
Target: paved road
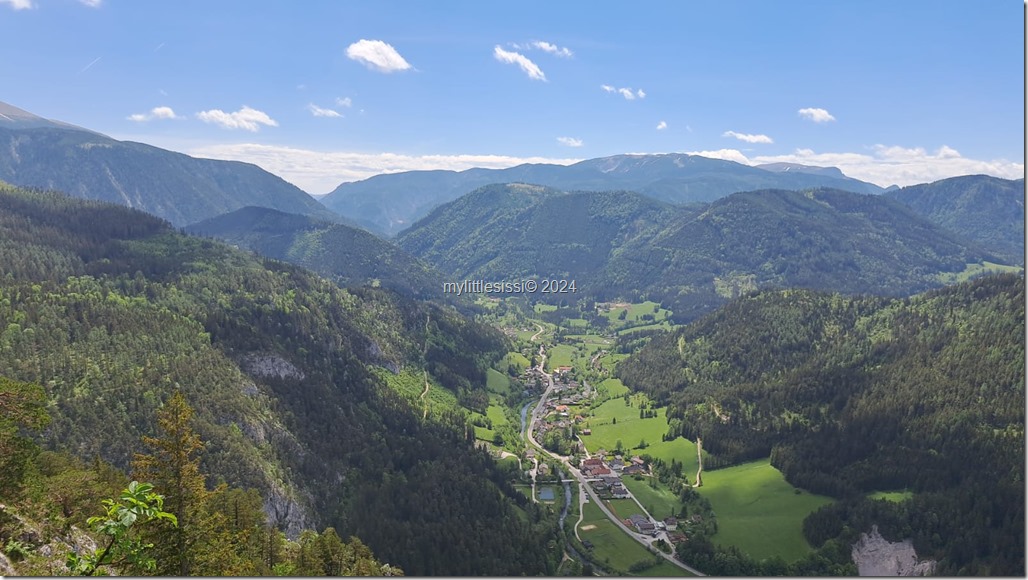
537, 413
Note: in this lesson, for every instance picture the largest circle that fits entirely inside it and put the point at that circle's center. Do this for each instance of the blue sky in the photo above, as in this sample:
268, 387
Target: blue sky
325, 92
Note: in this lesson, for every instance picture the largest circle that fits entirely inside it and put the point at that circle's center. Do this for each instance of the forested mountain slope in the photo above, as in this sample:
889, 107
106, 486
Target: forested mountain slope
854, 394
112, 311
346, 255
506, 232
986, 209
691, 258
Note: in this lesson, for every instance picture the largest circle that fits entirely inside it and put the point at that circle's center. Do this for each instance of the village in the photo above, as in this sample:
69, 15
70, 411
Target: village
560, 424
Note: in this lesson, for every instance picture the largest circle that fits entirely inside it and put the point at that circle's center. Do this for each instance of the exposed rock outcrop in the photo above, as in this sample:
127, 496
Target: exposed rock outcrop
270, 365
876, 556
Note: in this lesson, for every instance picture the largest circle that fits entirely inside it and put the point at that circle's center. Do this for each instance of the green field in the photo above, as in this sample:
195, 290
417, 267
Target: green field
497, 382
540, 308
616, 548
525, 490
495, 414
484, 434
526, 335
663, 570
973, 270
662, 325
517, 359
758, 511
590, 339
631, 430
636, 312
893, 496
611, 359
611, 388
660, 502
623, 508
559, 356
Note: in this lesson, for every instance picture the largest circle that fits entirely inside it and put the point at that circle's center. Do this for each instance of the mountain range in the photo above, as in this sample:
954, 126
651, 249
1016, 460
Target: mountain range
346, 255
37, 152
989, 210
392, 202
692, 258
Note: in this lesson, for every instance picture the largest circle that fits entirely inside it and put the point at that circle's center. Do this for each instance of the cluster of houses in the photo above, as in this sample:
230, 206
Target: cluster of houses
558, 412
644, 525
606, 476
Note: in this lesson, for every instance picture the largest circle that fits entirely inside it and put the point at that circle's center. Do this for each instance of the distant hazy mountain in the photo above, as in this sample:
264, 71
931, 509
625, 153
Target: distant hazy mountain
36, 152
12, 117
389, 203
799, 168
347, 255
507, 231
625, 245
986, 209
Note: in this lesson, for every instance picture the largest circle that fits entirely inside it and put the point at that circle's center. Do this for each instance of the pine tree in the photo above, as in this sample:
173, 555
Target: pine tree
201, 544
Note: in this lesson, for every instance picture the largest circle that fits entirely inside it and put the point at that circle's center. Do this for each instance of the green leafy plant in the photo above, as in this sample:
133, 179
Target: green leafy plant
16, 550
137, 503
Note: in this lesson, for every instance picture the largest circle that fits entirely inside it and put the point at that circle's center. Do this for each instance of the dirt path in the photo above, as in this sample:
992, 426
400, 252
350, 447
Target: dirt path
424, 353
699, 459
506, 454
535, 336
581, 509
424, 401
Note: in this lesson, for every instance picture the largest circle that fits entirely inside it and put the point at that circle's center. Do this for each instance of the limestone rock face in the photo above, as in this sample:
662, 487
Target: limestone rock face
876, 556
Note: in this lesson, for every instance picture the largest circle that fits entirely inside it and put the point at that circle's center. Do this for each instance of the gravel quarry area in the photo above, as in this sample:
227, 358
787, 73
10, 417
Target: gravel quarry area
876, 556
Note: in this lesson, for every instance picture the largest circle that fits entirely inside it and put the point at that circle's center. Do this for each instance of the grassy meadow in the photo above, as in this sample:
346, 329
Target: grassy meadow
758, 511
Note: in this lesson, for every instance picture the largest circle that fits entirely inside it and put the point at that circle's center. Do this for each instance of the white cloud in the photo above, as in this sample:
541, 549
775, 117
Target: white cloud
377, 55
155, 113
344, 102
560, 51
569, 141
92, 3
245, 118
18, 4
531, 69
726, 154
816, 115
887, 165
748, 138
320, 112
627, 92
662, 125
322, 171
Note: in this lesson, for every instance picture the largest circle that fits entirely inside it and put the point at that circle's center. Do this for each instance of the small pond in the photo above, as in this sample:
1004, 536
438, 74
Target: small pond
547, 493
